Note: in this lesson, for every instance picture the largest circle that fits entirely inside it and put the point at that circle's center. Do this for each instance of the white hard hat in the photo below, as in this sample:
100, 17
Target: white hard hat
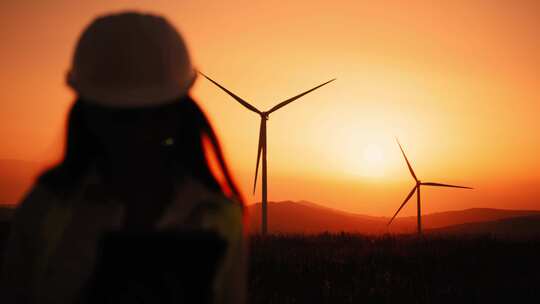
131, 60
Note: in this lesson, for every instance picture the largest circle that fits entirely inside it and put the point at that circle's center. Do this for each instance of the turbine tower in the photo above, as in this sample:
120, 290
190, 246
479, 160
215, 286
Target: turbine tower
262, 149
416, 189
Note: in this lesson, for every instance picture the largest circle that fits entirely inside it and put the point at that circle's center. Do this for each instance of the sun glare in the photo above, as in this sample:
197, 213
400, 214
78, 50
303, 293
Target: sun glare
372, 161
373, 154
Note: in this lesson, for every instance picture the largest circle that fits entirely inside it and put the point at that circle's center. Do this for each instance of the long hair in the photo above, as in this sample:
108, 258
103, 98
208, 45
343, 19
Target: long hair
82, 149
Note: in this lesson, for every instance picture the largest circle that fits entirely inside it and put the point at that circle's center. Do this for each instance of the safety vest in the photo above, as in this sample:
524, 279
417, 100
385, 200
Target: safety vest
67, 232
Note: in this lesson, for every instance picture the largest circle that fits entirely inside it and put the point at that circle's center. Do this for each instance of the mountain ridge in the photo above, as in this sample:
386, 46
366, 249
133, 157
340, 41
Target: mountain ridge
307, 217
304, 217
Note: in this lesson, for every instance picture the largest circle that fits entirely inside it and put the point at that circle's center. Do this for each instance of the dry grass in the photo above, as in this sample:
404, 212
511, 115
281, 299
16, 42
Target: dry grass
347, 268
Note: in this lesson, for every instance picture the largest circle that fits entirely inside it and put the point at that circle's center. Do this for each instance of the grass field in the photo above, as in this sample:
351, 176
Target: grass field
351, 268
346, 268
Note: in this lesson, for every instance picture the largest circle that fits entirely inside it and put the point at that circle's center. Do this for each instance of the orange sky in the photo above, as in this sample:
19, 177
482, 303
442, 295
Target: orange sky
458, 82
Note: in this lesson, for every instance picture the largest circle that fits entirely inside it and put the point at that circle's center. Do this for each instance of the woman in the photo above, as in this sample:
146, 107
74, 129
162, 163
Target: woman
135, 160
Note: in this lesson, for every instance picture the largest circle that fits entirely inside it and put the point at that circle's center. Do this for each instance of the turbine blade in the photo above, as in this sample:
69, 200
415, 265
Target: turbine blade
402, 205
259, 152
286, 102
445, 185
408, 164
240, 100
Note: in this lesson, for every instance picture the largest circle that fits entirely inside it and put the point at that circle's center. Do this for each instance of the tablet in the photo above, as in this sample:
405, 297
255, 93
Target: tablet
156, 267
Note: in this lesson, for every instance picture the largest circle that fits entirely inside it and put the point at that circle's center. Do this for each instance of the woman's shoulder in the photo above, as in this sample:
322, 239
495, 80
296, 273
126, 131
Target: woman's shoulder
36, 199
32, 210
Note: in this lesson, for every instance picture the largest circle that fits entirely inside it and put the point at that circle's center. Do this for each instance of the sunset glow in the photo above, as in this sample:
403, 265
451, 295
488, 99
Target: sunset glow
373, 159
456, 81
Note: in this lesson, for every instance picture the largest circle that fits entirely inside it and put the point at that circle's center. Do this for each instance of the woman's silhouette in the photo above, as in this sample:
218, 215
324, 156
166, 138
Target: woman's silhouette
135, 159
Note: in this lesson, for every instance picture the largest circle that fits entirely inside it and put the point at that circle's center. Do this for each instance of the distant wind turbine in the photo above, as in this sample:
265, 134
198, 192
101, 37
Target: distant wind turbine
261, 150
416, 188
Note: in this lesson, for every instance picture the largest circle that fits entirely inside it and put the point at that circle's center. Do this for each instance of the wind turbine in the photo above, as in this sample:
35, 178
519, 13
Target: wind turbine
416, 189
261, 150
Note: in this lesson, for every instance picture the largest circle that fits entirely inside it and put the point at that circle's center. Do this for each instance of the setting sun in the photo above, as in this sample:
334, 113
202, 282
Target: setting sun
373, 160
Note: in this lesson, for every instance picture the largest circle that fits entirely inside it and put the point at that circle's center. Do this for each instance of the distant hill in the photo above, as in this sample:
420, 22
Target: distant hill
307, 217
450, 218
512, 228
310, 218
